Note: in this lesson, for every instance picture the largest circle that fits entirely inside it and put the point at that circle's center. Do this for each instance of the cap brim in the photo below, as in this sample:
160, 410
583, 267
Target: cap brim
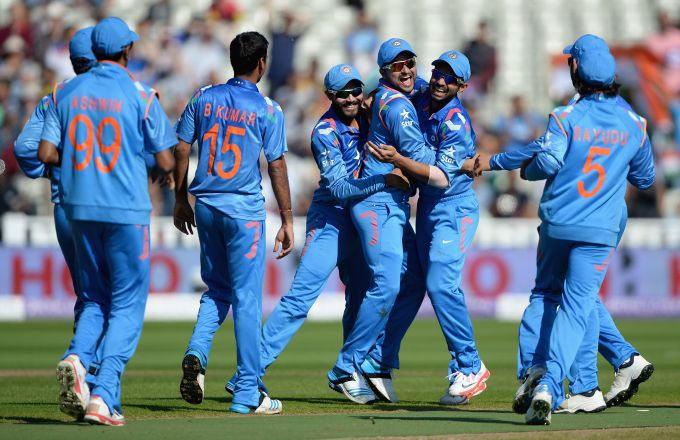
133, 36
567, 50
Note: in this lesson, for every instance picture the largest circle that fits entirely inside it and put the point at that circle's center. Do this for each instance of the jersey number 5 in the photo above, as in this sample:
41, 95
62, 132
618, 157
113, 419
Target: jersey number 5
596, 167
88, 144
211, 136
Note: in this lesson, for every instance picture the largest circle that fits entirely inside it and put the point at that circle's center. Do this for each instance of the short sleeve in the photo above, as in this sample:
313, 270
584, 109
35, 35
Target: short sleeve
158, 132
186, 125
401, 120
274, 133
52, 130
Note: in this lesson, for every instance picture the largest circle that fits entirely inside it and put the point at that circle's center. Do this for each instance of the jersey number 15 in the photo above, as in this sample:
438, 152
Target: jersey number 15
211, 136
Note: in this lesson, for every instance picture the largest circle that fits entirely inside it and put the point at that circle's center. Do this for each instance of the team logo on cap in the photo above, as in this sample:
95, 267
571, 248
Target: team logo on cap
346, 69
396, 43
453, 55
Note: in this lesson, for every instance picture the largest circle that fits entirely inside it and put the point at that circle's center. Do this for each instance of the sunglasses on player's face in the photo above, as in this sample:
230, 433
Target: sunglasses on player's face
397, 66
344, 93
448, 79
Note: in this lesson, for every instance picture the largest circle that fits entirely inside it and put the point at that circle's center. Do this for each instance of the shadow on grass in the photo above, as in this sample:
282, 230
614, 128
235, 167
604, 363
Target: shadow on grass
485, 420
644, 406
39, 421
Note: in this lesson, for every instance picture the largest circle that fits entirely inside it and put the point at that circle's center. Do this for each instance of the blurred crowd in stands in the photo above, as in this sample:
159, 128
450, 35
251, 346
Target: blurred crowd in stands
176, 60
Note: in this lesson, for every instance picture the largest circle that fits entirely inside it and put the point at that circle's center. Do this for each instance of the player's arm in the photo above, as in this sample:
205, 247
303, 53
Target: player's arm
429, 174
510, 160
159, 136
26, 145
549, 160
50, 138
183, 214
274, 146
402, 121
334, 176
642, 172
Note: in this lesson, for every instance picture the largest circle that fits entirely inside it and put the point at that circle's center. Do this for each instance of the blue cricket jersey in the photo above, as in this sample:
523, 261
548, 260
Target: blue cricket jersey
589, 149
103, 122
232, 123
512, 160
449, 133
394, 121
336, 149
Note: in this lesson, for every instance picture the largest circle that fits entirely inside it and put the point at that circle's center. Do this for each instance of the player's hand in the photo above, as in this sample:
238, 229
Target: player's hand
283, 244
164, 179
384, 153
396, 179
482, 164
184, 217
468, 166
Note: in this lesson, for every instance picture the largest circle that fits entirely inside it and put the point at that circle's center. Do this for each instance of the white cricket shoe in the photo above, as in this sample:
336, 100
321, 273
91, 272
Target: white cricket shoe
267, 406
522, 400
590, 402
446, 399
192, 385
468, 385
98, 413
540, 407
379, 379
627, 379
74, 394
353, 386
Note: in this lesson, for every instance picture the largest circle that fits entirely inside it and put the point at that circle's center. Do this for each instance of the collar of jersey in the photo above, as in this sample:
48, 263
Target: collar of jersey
244, 83
389, 86
600, 97
440, 115
106, 64
341, 126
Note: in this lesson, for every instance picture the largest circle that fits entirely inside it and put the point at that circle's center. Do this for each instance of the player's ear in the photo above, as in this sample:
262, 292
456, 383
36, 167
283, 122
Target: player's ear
462, 87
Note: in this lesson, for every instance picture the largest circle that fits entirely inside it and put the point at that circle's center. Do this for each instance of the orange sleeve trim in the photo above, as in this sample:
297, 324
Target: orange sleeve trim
559, 124
148, 103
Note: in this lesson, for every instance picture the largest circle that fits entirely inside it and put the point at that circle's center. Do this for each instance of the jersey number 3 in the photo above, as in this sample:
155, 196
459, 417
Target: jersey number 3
589, 166
211, 136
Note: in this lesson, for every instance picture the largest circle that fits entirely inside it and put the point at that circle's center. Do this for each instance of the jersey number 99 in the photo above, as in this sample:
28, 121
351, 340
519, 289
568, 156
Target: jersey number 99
211, 137
87, 145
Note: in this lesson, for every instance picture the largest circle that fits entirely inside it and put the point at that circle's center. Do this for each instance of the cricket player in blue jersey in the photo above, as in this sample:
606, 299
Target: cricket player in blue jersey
232, 123
630, 367
448, 214
331, 237
382, 218
26, 152
98, 128
588, 151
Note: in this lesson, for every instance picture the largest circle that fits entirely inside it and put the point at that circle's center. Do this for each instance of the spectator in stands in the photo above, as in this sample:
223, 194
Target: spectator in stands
282, 52
520, 127
482, 56
362, 43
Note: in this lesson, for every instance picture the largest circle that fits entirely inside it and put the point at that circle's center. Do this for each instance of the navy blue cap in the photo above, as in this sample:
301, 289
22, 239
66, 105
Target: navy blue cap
391, 48
111, 35
458, 61
339, 76
596, 64
80, 45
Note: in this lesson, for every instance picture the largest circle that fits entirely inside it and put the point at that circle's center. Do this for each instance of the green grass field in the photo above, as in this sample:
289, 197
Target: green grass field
154, 409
